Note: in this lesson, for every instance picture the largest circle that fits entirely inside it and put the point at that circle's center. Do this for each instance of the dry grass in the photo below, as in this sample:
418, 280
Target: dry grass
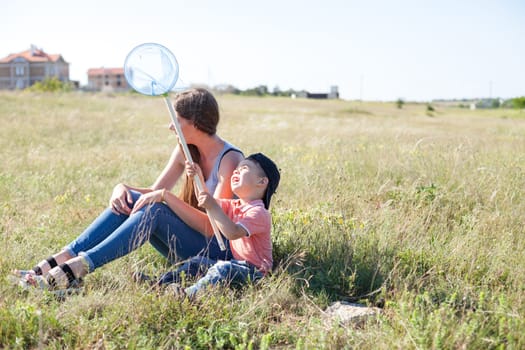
424, 211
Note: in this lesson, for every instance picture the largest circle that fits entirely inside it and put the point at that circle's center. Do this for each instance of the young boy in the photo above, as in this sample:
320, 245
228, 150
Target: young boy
245, 222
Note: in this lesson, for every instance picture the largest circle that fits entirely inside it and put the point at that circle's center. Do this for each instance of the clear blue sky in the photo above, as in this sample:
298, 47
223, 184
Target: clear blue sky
377, 50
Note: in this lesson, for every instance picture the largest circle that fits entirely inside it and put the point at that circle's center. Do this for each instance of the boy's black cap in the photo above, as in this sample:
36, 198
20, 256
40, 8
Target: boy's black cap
272, 173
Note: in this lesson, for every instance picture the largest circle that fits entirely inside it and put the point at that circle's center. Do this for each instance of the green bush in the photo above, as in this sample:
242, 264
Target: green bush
518, 102
52, 84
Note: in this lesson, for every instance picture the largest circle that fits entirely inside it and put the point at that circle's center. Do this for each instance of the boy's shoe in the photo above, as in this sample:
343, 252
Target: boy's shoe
141, 277
176, 290
169, 278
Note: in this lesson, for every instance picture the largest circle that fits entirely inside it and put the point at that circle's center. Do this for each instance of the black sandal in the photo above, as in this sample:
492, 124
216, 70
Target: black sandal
74, 285
72, 280
51, 261
37, 270
50, 283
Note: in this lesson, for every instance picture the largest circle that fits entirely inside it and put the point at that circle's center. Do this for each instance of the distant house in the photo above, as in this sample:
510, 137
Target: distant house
23, 69
107, 79
333, 94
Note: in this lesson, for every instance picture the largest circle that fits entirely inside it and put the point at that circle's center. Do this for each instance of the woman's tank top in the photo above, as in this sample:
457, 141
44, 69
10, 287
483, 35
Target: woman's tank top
213, 180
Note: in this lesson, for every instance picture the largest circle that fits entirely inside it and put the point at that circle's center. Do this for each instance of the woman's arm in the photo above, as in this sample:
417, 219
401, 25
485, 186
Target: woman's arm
172, 171
228, 164
193, 217
120, 201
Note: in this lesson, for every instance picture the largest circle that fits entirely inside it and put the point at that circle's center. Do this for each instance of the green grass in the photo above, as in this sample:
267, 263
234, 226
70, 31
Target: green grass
421, 212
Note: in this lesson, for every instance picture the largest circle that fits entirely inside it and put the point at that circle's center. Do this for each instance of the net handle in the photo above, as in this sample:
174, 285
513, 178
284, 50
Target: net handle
196, 178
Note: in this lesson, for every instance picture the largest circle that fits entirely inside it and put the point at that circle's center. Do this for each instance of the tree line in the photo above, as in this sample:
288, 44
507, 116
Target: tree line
53, 84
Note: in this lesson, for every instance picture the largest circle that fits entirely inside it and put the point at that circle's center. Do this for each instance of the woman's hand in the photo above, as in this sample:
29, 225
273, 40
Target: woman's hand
149, 198
121, 200
193, 169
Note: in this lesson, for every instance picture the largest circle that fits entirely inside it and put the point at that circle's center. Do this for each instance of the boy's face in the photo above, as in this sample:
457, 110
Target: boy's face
246, 177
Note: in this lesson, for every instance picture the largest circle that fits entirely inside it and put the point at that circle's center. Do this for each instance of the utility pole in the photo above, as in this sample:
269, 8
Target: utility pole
361, 88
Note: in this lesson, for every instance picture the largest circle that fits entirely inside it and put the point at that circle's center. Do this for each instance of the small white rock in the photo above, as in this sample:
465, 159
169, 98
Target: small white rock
349, 313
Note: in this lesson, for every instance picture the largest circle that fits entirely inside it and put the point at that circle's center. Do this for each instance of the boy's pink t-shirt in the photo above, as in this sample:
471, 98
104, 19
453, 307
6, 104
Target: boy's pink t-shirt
256, 248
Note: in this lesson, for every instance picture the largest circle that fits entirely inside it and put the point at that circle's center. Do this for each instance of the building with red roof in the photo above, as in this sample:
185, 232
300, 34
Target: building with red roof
23, 69
107, 79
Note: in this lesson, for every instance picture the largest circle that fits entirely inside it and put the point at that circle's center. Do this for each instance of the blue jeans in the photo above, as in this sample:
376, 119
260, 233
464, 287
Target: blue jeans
215, 271
112, 236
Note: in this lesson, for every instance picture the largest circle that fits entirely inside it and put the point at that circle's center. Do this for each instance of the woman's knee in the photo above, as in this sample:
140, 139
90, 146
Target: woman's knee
135, 196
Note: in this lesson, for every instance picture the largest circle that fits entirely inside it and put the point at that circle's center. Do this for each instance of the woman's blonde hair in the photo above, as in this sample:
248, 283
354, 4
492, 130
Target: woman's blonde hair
187, 192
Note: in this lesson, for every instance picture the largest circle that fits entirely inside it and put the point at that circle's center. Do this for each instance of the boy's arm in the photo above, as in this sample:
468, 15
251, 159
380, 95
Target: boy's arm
195, 218
229, 229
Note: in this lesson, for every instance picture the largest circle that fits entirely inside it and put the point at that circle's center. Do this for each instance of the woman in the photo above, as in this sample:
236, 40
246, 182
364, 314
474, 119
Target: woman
136, 215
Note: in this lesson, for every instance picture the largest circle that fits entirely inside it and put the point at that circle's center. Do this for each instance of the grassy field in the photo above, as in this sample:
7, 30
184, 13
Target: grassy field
419, 212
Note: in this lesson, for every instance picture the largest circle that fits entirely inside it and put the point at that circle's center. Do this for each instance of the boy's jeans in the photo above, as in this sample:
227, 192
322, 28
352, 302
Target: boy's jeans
112, 236
216, 271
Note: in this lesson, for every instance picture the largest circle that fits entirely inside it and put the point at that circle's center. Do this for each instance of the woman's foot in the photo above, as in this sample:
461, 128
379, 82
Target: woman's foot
38, 270
39, 282
23, 273
61, 277
45, 265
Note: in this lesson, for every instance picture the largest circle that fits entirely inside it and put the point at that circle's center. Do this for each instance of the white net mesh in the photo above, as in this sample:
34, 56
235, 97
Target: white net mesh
151, 69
